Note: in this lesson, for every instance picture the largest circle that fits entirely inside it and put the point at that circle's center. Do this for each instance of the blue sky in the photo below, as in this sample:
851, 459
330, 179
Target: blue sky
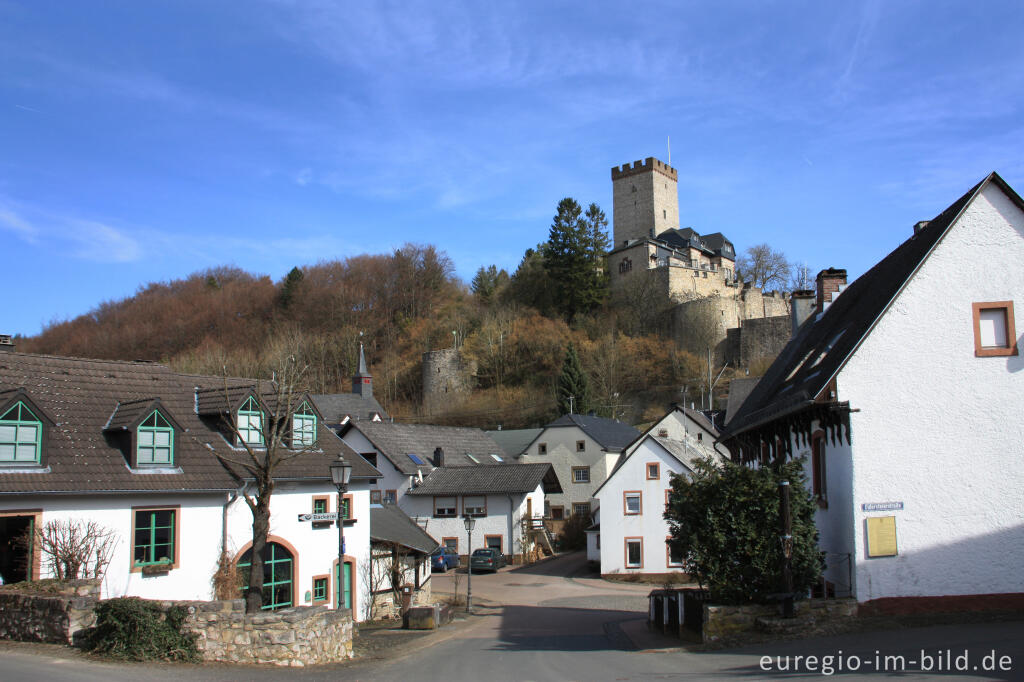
143, 141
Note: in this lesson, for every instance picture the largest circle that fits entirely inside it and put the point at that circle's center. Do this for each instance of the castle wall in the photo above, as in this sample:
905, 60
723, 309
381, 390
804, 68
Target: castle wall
762, 338
708, 323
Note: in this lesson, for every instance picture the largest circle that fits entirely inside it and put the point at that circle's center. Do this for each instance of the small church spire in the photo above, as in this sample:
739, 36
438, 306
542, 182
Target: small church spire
362, 381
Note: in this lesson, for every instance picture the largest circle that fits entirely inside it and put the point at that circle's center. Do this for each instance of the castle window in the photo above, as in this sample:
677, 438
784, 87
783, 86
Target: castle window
994, 332
625, 265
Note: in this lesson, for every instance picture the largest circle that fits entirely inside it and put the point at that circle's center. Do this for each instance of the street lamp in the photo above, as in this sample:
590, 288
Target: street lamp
341, 473
469, 522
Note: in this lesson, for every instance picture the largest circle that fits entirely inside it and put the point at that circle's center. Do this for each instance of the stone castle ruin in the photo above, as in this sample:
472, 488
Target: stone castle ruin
689, 276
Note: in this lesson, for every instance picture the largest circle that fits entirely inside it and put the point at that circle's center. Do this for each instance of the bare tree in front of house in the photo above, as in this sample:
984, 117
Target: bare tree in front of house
375, 578
398, 567
72, 549
262, 444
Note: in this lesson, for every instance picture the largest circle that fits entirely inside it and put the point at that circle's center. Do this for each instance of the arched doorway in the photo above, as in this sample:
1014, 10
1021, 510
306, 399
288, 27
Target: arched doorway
278, 575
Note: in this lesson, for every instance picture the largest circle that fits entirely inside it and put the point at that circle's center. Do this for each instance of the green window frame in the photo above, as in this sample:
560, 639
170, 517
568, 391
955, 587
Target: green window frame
154, 441
346, 508
319, 589
21, 436
320, 505
154, 537
250, 422
303, 426
277, 575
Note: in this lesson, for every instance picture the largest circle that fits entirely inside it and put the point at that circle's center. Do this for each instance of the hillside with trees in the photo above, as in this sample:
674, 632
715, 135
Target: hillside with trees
516, 328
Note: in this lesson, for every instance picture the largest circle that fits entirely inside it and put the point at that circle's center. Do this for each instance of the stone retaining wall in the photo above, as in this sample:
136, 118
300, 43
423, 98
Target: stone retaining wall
297, 637
56, 615
813, 616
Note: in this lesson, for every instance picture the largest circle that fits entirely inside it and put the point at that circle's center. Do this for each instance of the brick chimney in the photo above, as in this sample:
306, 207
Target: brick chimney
802, 306
6, 343
831, 283
439, 457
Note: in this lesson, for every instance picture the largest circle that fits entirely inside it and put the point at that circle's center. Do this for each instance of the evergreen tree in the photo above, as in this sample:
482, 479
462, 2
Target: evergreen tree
289, 287
531, 284
572, 256
487, 281
573, 383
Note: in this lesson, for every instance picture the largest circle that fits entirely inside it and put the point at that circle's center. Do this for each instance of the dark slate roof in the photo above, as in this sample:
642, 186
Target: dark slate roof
83, 396
128, 413
222, 399
610, 434
491, 478
514, 441
398, 441
336, 406
700, 419
388, 523
822, 345
739, 389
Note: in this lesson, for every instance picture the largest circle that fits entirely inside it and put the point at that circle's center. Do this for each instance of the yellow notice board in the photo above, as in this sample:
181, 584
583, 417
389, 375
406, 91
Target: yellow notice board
881, 536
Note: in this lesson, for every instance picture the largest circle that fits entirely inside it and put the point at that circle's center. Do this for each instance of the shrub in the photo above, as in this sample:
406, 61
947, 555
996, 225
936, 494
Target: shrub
573, 535
726, 521
134, 629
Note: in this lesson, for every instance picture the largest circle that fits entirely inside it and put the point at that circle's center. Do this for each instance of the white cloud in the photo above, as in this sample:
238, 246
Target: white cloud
12, 222
103, 243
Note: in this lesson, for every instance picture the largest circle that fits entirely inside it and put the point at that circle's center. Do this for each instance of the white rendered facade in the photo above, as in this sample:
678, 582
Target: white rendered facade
502, 521
393, 482
936, 430
580, 463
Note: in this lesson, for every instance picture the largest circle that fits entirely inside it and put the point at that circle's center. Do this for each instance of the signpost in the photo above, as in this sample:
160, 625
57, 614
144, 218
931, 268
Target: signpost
329, 516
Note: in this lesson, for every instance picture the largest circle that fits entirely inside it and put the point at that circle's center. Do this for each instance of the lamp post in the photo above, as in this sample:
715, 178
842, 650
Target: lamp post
341, 473
469, 522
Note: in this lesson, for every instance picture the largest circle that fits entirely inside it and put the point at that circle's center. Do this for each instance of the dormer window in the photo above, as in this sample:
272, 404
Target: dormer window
250, 422
155, 441
21, 434
303, 426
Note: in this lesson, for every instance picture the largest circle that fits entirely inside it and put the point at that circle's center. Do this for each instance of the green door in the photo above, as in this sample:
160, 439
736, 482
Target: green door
345, 593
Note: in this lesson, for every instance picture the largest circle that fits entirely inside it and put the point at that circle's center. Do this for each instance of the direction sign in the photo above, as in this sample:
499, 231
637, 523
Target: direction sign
328, 516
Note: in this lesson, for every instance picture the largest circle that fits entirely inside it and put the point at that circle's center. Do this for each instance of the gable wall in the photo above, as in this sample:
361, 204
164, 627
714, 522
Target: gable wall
940, 429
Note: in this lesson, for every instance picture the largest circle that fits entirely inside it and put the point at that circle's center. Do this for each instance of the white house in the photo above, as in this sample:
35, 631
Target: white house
903, 391
405, 453
133, 447
631, 531
583, 450
504, 499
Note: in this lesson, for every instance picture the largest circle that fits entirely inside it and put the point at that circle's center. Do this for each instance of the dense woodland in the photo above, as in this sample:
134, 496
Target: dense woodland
517, 328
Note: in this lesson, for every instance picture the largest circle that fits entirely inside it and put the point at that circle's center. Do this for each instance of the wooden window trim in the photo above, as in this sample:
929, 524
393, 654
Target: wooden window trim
37, 520
501, 542
668, 555
390, 493
561, 511
41, 431
453, 515
1011, 330
477, 515
819, 480
625, 505
295, 562
657, 471
573, 475
327, 503
378, 494
137, 446
326, 599
444, 542
625, 552
176, 509
589, 508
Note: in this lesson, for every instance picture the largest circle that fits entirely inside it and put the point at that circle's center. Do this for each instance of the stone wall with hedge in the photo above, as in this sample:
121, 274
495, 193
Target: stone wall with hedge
55, 613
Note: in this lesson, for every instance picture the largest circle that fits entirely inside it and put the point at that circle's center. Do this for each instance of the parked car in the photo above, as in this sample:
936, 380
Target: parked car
444, 558
486, 559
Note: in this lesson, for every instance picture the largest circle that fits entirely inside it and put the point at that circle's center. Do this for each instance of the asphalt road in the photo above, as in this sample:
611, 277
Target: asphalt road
555, 623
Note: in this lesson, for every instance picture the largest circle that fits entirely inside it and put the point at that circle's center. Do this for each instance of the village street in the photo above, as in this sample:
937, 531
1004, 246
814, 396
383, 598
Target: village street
557, 622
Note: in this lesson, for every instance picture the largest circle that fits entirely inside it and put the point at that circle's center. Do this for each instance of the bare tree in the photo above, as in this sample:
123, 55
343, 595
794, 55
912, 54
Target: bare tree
764, 267
800, 277
264, 443
375, 577
73, 549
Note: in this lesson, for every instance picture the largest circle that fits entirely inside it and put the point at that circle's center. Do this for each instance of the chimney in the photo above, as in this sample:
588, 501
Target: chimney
920, 225
6, 343
831, 283
362, 381
802, 306
438, 457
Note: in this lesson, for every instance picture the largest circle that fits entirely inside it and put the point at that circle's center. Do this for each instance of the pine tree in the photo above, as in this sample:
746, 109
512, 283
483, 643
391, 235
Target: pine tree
573, 387
573, 257
289, 287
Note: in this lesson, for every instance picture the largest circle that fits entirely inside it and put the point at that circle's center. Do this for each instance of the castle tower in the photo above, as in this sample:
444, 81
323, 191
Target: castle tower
645, 198
362, 380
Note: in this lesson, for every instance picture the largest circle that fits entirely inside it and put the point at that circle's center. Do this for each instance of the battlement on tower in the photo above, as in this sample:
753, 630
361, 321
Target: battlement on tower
650, 164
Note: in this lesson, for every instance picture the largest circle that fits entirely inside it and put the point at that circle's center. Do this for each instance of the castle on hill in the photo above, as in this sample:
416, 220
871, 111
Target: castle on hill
692, 275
